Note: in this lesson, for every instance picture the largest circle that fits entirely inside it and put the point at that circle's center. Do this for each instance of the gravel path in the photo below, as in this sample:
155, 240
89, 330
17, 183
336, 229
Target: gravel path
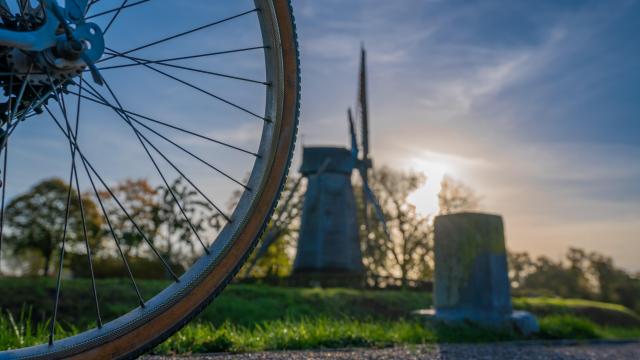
630, 351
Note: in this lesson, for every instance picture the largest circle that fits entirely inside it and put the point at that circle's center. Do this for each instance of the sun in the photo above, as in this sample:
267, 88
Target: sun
435, 168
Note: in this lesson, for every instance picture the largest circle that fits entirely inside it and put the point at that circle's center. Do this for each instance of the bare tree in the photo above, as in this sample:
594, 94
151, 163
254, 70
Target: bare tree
455, 196
405, 251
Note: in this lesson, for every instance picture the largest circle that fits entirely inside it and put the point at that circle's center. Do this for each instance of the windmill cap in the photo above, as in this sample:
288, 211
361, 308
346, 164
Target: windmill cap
331, 159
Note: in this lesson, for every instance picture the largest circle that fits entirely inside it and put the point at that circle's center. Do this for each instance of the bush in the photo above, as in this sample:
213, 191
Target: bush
112, 267
598, 312
567, 327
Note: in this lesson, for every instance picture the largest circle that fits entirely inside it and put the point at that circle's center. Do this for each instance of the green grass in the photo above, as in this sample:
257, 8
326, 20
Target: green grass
325, 333
320, 333
244, 305
254, 318
598, 312
295, 335
20, 331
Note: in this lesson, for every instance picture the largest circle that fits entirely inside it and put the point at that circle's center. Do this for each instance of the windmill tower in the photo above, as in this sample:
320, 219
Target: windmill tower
329, 239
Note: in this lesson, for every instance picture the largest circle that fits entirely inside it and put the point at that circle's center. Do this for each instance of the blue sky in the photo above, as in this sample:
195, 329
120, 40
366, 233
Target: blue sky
533, 104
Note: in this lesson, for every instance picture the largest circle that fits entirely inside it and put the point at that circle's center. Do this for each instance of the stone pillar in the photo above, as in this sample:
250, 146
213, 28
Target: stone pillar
471, 273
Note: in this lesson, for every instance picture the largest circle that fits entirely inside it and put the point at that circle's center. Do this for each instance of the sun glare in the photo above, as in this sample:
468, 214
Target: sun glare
426, 198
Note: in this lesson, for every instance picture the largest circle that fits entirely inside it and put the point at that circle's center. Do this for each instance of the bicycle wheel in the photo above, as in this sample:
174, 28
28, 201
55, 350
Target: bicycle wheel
166, 105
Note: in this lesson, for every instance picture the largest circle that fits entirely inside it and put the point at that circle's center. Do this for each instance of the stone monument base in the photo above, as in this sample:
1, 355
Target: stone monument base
522, 322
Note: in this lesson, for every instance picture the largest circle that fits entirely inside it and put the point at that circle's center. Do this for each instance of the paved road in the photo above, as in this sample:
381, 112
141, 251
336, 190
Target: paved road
629, 351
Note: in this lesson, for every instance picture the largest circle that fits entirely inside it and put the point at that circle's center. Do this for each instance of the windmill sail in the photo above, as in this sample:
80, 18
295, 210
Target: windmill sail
364, 164
378, 209
354, 139
364, 106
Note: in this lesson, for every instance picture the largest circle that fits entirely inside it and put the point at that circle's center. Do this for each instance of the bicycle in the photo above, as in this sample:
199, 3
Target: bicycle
59, 65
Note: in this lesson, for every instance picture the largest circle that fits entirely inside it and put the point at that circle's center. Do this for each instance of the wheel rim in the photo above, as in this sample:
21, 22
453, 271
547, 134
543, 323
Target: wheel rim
170, 309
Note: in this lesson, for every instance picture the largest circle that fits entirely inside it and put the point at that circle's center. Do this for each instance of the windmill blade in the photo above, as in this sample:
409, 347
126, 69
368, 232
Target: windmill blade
365, 162
356, 162
354, 141
274, 232
363, 105
287, 202
268, 239
371, 197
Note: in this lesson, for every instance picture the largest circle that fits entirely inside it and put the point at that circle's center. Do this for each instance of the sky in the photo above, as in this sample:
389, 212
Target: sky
534, 105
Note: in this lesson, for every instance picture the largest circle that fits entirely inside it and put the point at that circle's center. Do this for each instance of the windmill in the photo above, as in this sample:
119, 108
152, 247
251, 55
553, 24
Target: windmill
329, 236
329, 240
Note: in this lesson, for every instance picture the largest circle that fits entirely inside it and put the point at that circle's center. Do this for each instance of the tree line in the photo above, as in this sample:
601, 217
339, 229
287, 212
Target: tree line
409, 254
36, 222
580, 274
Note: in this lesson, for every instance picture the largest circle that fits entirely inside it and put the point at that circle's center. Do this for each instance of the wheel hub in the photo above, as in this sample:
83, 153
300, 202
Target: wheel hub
76, 46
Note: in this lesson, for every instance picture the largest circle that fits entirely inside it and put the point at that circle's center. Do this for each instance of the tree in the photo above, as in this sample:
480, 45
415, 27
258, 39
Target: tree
580, 275
35, 221
272, 258
176, 231
406, 254
520, 266
160, 219
140, 200
614, 284
455, 196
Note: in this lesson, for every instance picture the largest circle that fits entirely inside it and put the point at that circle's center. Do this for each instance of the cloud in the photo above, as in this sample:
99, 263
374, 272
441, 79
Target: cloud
532, 104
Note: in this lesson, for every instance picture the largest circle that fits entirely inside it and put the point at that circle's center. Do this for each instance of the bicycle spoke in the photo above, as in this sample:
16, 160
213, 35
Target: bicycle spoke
23, 87
11, 126
87, 163
195, 87
116, 9
115, 16
147, 118
214, 168
113, 234
142, 62
84, 223
218, 209
5, 148
4, 9
185, 57
91, 3
4, 186
64, 235
188, 32
104, 211
23, 4
124, 210
175, 199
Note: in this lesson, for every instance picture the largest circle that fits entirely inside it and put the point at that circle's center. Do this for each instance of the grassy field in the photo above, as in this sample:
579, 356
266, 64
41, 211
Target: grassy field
253, 317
